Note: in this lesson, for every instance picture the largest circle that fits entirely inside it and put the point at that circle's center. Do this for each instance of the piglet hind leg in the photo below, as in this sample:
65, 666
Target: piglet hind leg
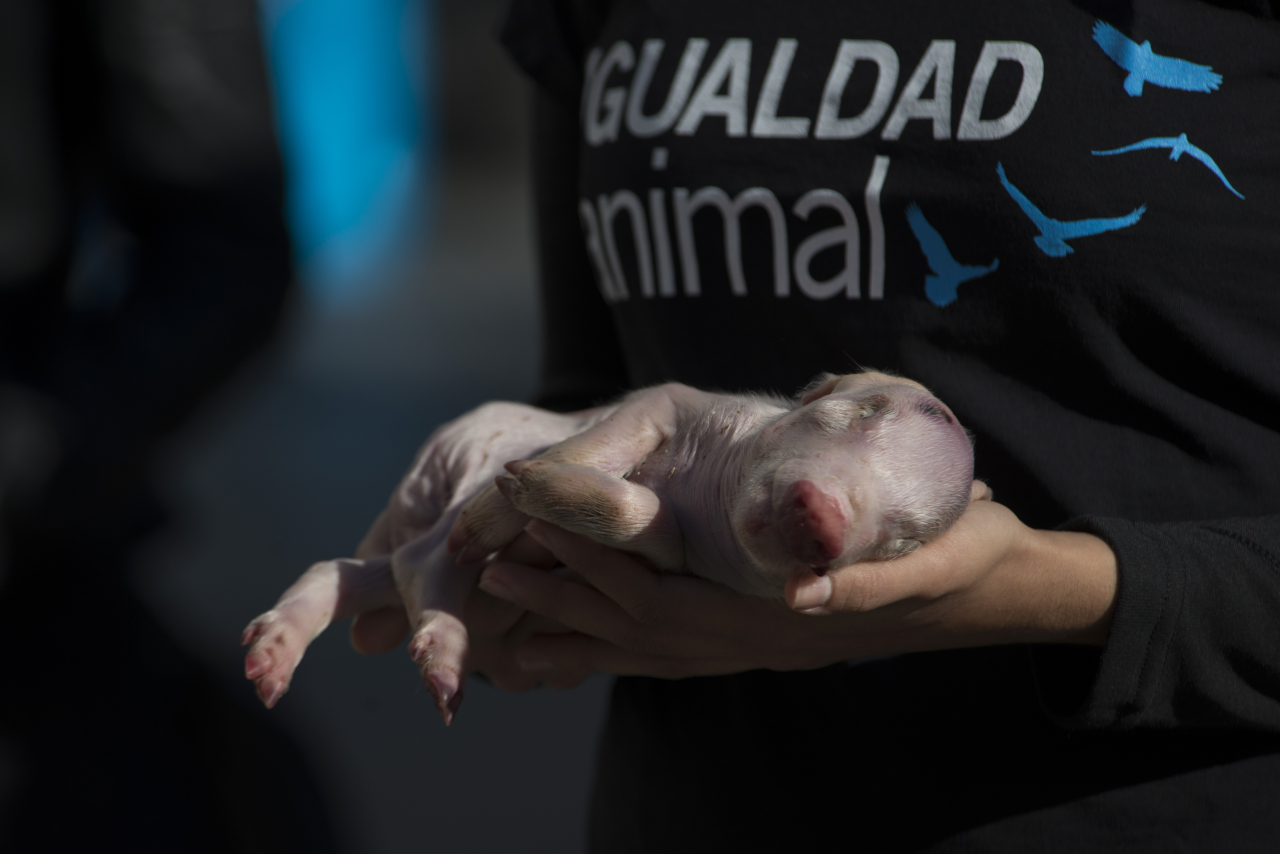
638, 426
327, 592
434, 590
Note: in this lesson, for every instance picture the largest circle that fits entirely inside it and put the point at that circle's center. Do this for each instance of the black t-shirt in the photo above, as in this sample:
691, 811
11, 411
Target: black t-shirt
1061, 217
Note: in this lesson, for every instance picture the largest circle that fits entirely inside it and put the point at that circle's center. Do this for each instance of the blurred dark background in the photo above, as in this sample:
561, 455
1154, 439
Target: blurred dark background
156, 500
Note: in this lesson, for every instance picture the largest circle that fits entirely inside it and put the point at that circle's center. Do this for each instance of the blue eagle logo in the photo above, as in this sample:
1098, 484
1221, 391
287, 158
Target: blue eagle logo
1146, 66
1178, 146
1054, 233
948, 274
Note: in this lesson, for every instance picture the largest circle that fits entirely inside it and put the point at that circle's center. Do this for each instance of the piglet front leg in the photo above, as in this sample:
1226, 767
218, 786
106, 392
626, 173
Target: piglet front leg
581, 479
608, 509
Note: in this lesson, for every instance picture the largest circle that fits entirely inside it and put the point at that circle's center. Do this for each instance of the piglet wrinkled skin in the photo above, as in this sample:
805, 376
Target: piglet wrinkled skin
744, 490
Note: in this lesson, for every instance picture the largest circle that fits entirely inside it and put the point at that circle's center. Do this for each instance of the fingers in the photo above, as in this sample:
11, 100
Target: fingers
623, 602
528, 624
982, 537
497, 622
328, 591
497, 627
871, 585
809, 593
637, 621
495, 656
605, 639
621, 578
858, 588
577, 606
655, 599
527, 551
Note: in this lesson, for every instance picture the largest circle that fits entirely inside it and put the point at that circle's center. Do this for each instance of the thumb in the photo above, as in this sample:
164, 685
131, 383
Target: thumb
809, 593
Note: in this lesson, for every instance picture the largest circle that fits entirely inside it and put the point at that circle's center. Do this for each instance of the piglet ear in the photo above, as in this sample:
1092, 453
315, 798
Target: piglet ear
822, 385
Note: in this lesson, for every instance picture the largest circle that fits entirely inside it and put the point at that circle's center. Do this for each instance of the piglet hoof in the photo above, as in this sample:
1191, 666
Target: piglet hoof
273, 655
446, 690
437, 649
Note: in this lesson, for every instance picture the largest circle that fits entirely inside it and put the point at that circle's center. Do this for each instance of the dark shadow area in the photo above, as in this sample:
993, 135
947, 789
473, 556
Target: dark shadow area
180, 438
143, 259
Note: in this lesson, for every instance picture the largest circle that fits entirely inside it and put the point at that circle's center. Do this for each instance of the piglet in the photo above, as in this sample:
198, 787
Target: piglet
744, 490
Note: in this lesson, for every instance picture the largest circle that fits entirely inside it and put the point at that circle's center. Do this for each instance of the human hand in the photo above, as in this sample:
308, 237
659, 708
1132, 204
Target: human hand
402, 579
988, 580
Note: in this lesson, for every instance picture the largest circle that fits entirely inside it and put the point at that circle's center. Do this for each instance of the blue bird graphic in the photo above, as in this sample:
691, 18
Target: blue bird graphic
1053, 232
948, 275
1179, 146
1144, 65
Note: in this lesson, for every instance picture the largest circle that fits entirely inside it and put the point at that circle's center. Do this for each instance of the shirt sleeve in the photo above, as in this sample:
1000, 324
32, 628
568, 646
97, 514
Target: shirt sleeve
1195, 640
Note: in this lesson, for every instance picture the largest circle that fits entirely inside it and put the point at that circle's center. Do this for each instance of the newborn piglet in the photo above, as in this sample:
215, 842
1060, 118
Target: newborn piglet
745, 490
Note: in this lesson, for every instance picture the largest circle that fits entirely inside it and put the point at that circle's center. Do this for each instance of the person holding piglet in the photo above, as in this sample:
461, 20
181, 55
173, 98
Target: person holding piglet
982, 199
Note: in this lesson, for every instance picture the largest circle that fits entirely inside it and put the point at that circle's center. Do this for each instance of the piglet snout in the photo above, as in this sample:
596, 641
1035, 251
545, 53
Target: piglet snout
813, 523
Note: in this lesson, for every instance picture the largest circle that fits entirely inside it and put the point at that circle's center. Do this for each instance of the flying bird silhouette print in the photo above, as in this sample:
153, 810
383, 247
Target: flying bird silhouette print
1144, 65
1054, 233
948, 274
1179, 146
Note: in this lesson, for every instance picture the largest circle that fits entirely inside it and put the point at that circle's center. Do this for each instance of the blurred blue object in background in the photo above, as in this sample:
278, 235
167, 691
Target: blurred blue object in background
355, 102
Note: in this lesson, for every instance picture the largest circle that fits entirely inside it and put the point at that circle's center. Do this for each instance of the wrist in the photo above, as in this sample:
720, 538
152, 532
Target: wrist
1076, 577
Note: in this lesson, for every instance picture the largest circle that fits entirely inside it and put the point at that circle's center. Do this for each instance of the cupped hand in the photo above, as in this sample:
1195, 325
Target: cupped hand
988, 580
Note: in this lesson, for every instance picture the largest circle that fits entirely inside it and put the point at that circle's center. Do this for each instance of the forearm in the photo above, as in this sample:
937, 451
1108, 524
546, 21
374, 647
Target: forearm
1070, 587
988, 580
1193, 636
